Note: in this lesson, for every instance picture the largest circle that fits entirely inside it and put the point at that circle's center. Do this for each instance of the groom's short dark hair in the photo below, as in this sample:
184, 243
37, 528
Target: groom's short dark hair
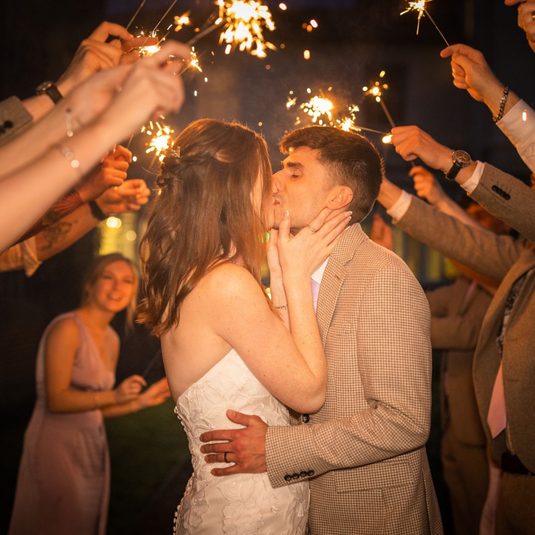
352, 160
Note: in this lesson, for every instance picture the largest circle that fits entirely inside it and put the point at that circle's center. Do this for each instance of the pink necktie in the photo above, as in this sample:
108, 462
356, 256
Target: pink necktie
315, 292
497, 417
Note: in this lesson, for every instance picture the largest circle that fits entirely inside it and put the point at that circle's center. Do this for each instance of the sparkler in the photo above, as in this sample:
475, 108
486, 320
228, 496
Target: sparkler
161, 141
422, 10
182, 21
135, 14
245, 21
153, 31
322, 111
376, 91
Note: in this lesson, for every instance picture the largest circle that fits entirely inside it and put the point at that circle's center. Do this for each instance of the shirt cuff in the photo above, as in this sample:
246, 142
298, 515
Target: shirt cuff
400, 207
471, 184
518, 122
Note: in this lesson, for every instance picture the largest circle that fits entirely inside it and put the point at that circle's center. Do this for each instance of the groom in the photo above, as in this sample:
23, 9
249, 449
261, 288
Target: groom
363, 452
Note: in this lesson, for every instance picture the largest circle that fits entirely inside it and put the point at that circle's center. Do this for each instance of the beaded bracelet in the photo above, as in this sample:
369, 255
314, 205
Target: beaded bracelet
503, 102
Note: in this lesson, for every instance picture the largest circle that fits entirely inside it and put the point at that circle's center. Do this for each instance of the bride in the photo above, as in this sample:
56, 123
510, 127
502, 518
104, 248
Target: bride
225, 344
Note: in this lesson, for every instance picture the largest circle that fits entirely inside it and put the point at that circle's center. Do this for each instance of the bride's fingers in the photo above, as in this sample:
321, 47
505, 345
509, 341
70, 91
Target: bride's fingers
337, 228
318, 222
284, 228
333, 223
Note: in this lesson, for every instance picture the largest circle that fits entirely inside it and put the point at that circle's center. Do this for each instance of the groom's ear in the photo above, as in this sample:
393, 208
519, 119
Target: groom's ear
339, 197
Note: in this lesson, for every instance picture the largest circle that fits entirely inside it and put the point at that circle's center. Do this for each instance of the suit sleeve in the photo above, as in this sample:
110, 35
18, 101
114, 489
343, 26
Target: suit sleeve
479, 249
394, 359
14, 119
508, 199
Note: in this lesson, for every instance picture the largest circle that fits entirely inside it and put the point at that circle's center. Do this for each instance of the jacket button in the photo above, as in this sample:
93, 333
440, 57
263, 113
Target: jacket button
287, 477
8, 124
507, 196
496, 189
310, 473
303, 474
295, 476
305, 418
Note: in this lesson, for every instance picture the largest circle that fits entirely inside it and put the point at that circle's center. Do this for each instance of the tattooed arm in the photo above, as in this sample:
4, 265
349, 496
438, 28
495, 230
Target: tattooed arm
63, 233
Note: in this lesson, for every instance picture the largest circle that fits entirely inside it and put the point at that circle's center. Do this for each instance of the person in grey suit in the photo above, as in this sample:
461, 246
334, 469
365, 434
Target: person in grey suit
364, 451
504, 362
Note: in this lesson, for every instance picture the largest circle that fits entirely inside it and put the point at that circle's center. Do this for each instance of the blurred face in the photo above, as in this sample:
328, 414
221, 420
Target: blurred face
487, 220
262, 204
114, 289
302, 187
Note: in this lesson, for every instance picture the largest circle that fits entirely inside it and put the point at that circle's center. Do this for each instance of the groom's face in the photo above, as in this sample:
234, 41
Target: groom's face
302, 187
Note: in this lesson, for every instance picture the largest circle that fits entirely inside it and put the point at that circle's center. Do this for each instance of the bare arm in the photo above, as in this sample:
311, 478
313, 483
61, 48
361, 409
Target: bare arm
60, 351
291, 366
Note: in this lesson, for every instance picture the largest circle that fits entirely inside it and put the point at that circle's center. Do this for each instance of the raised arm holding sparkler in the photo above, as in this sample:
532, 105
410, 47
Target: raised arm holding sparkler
101, 112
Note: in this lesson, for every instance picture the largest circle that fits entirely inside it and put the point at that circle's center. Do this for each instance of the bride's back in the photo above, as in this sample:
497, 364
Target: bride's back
211, 213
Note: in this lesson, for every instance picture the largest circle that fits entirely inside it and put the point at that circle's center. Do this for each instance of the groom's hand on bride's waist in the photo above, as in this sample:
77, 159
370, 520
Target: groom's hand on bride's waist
244, 449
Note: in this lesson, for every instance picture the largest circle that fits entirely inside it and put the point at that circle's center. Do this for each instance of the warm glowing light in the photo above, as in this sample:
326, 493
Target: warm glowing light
283, 7
376, 90
182, 21
131, 235
387, 139
313, 23
420, 7
245, 21
149, 50
291, 102
306, 54
525, 115
319, 108
113, 222
194, 61
161, 141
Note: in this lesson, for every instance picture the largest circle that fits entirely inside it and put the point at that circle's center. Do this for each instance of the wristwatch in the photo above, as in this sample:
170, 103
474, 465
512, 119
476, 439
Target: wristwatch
460, 159
50, 89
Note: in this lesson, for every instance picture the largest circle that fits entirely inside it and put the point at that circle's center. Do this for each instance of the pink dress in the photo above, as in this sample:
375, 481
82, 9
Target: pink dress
64, 474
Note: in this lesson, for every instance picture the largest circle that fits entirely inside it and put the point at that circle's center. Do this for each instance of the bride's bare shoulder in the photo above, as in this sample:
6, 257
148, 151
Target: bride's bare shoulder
229, 280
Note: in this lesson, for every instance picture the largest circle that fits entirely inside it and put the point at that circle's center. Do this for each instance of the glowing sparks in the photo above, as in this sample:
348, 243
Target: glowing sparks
420, 7
149, 50
182, 21
194, 62
417, 6
291, 102
161, 141
306, 54
320, 109
283, 7
324, 112
245, 21
376, 90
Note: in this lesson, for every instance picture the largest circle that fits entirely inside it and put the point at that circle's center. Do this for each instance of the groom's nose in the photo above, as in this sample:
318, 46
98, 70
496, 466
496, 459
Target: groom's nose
278, 182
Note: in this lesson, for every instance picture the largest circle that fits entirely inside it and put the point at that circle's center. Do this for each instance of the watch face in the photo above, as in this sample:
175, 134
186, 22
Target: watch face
461, 157
43, 87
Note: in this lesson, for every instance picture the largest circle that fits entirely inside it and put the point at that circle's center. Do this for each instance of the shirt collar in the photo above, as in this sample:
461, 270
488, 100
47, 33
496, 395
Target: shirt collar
317, 276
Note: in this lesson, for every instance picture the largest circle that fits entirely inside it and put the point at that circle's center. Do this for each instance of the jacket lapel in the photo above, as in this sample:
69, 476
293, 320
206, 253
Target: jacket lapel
335, 275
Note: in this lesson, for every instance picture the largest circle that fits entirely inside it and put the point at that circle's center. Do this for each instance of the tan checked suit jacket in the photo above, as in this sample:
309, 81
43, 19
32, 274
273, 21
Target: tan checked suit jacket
364, 450
498, 257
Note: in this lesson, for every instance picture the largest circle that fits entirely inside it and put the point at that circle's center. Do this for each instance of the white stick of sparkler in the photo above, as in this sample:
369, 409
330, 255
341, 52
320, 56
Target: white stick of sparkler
135, 14
435, 25
152, 32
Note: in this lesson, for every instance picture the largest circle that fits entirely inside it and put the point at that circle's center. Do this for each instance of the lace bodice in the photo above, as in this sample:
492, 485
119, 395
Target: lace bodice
245, 503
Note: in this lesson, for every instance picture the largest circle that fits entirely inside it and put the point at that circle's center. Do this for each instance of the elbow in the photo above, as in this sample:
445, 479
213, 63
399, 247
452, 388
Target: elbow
313, 401
54, 405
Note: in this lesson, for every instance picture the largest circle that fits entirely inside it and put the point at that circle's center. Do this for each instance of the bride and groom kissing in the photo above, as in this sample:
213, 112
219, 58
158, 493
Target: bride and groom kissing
341, 351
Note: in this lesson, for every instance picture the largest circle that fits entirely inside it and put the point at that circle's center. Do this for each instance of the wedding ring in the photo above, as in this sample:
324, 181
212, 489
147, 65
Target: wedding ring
533, 15
312, 229
225, 457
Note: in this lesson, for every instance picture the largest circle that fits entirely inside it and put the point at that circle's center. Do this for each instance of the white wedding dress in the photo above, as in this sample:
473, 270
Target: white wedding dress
242, 504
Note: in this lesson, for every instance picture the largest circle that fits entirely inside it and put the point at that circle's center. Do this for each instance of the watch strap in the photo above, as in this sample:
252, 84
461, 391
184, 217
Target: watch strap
454, 171
53, 92
96, 211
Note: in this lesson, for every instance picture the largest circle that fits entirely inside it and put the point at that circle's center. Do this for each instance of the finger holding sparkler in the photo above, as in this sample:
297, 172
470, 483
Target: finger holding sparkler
420, 7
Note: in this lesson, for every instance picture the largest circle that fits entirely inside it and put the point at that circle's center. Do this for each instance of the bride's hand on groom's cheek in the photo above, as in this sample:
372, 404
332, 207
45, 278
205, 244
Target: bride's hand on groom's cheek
304, 253
243, 449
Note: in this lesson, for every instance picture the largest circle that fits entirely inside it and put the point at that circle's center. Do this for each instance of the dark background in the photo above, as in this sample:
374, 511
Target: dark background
354, 42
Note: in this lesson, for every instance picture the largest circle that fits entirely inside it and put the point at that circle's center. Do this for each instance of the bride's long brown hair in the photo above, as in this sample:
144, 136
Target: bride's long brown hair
203, 215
